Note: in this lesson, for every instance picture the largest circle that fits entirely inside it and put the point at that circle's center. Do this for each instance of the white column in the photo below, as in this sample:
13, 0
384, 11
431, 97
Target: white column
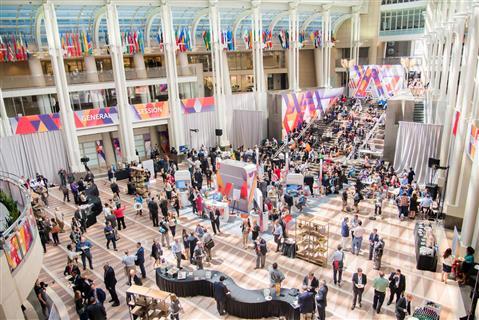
140, 69
326, 28
127, 143
66, 112
259, 84
183, 64
444, 73
92, 77
38, 79
318, 66
355, 34
217, 57
452, 89
176, 129
467, 80
6, 129
293, 50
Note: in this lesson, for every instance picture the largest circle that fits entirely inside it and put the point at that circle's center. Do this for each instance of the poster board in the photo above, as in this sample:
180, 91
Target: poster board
149, 165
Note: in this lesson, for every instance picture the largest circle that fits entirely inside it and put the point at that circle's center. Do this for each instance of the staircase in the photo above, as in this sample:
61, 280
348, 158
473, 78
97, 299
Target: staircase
418, 115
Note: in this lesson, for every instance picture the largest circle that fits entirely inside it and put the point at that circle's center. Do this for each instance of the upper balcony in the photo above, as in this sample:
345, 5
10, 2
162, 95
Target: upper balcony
21, 251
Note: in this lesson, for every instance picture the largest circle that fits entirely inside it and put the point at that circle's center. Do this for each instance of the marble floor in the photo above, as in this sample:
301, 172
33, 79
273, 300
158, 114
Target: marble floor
230, 257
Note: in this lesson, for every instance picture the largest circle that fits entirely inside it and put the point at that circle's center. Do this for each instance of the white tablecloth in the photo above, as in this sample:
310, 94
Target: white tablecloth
212, 205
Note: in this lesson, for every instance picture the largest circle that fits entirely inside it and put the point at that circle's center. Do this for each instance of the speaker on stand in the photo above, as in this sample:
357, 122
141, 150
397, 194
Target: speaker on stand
218, 133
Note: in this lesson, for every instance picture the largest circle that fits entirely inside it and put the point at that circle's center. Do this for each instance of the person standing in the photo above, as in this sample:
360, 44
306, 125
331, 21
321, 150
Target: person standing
207, 239
84, 247
397, 285
255, 230
120, 217
378, 253
129, 263
447, 262
373, 238
344, 232
175, 307
321, 300
311, 282
40, 292
410, 176
380, 285
95, 310
109, 235
245, 229
359, 282
177, 251
306, 304
344, 197
378, 203
261, 249
403, 206
115, 189
276, 277
338, 264
277, 234
212, 220
192, 240
198, 255
153, 208
156, 251
55, 231
140, 259
110, 284
220, 293
358, 233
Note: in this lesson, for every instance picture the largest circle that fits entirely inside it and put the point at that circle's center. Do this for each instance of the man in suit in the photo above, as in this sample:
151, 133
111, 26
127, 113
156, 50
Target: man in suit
306, 304
403, 306
140, 259
397, 285
373, 238
95, 310
311, 282
359, 282
321, 300
97, 293
153, 208
110, 283
220, 292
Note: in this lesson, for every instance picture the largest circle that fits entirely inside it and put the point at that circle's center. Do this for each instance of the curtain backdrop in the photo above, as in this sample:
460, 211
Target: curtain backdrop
415, 144
247, 128
205, 122
28, 154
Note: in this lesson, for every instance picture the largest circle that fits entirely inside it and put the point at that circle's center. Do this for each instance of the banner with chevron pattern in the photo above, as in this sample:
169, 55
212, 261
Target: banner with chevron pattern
196, 105
35, 123
376, 81
298, 107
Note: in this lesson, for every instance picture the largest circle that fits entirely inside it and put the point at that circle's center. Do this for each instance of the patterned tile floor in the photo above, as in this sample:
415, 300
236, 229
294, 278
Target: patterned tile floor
239, 263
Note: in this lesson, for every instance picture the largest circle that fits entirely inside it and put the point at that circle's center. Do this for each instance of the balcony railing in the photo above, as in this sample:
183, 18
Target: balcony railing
362, 61
11, 185
19, 82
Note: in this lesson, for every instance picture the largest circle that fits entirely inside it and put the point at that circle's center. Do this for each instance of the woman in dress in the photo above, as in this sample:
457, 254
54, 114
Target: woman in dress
446, 264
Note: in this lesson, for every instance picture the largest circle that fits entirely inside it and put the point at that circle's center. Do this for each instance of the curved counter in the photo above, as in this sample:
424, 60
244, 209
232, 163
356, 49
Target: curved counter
242, 303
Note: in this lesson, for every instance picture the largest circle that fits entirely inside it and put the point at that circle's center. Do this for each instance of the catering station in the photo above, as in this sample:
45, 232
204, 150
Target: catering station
243, 303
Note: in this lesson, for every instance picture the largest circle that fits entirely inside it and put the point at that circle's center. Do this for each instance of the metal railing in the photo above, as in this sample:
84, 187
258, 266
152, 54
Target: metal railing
368, 136
7, 181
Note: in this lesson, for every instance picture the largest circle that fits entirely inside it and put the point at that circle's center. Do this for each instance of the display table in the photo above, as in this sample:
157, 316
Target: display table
242, 303
223, 207
424, 261
122, 174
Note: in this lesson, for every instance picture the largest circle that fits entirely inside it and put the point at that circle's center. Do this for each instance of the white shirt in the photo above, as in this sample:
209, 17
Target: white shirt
358, 232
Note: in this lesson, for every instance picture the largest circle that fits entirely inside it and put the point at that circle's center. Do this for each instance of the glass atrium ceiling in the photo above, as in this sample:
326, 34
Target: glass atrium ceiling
21, 19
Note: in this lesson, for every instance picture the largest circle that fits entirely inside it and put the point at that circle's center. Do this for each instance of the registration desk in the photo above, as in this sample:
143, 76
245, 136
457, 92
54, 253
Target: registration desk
241, 303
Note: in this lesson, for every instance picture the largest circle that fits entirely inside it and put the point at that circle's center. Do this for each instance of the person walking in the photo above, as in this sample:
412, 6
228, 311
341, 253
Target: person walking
358, 233
192, 241
403, 306
172, 224
245, 229
397, 285
140, 259
359, 282
175, 307
321, 300
109, 235
261, 249
177, 251
373, 238
380, 285
156, 252
84, 247
138, 204
198, 255
40, 292
207, 239
110, 283
120, 217
277, 234
220, 293
255, 230
344, 232
212, 220
338, 264
164, 233
54, 231
306, 304
447, 262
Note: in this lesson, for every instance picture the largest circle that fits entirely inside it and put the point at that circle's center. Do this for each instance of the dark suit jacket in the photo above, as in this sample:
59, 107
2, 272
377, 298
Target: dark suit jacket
402, 282
356, 281
321, 297
306, 302
96, 312
402, 307
109, 278
219, 291
140, 256
314, 283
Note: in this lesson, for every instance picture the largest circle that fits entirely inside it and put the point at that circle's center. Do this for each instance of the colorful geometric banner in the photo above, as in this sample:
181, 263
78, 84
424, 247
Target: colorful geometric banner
96, 117
472, 140
195, 105
149, 111
376, 81
35, 123
303, 106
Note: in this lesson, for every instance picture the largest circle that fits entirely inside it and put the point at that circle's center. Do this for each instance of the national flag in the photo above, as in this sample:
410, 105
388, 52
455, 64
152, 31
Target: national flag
457, 116
141, 42
89, 44
2, 50
99, 149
